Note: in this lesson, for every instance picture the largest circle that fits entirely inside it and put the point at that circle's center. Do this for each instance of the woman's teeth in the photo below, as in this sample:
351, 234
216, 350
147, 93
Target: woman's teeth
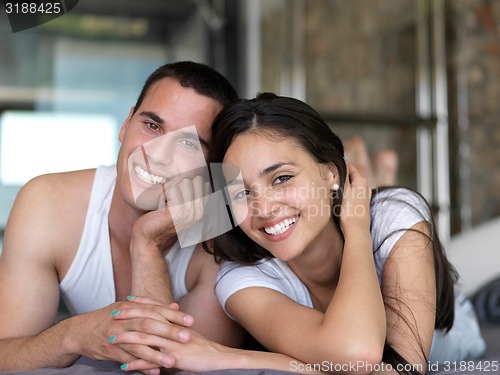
280, 227
148, 177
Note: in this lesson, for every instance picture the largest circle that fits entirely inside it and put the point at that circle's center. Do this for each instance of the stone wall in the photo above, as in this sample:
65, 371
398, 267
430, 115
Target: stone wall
361, 59
474, 40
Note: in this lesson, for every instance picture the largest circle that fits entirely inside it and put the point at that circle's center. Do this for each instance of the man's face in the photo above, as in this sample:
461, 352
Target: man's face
164, 140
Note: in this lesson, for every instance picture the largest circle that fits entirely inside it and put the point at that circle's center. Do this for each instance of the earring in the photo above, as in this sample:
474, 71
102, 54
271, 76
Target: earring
335, 187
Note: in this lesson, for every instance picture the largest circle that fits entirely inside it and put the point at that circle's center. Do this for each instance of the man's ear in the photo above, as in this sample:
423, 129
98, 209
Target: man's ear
125, 124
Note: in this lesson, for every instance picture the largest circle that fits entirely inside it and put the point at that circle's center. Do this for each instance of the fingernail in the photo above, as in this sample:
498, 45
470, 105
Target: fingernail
131, 296
184, 335
115, 313
111, 338
188, 319
124, 366
167, 362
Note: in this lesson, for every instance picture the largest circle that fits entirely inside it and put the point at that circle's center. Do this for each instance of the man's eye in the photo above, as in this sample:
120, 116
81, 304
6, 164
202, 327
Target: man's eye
153, 126
189, 144
282, 179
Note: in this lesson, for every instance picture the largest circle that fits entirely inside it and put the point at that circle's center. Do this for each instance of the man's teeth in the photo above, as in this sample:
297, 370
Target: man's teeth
147, 177
280, 227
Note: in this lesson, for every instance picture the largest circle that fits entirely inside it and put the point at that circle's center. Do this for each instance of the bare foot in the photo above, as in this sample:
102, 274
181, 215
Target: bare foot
385, 165
382, 171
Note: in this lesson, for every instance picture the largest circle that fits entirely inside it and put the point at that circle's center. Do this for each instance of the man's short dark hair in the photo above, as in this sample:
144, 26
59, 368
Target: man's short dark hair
202, 78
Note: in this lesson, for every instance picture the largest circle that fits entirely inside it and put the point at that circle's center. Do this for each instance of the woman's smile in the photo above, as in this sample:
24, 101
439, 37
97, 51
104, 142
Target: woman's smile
284, 189
281, 227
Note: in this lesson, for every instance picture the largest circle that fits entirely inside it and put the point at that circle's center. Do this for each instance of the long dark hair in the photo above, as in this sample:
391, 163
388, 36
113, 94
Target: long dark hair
286, 117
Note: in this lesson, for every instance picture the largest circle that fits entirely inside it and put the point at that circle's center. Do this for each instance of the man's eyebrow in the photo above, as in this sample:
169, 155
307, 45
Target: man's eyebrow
273, 167
153, 116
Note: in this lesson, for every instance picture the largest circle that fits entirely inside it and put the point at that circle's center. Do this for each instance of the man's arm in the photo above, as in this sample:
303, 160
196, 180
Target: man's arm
152, 236
36, 240
150, 278
29, 295
155, 232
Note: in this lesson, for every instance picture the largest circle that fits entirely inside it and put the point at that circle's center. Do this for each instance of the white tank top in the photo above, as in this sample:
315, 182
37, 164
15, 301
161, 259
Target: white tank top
89, 284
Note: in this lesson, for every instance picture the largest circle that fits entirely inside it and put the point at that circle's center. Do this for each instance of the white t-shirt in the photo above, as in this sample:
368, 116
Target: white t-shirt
89, 284
401, 211
393, 211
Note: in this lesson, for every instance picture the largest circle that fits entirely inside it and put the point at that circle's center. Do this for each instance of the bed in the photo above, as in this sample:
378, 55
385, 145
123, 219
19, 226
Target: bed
476, 257
488, 364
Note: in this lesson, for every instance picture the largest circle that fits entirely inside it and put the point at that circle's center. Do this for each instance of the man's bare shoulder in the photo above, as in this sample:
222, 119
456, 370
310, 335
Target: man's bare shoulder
59, 189
50, 209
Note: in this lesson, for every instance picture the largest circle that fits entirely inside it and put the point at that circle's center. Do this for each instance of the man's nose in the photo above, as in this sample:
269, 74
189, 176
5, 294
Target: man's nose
159, 151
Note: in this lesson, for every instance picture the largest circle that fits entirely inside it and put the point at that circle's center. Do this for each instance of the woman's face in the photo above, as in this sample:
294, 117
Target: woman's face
286, 191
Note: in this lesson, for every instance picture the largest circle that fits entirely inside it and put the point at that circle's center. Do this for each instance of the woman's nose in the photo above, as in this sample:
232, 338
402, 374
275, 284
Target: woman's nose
266, 203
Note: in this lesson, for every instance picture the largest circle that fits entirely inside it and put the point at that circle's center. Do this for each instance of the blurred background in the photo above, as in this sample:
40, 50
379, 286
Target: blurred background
420, 77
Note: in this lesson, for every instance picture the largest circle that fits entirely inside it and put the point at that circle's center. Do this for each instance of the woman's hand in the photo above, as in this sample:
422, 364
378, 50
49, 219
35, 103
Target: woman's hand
199, 354
356, 200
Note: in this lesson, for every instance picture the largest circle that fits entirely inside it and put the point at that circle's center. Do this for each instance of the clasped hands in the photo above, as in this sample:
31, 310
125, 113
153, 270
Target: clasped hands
136, 333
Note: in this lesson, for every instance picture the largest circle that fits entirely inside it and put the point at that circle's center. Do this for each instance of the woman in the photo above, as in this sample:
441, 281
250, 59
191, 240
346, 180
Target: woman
332, 261
321, 270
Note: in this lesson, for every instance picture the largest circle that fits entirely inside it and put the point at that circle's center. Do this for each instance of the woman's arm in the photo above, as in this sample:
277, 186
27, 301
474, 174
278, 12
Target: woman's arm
201, 354
348, 337
352, 330
409, 291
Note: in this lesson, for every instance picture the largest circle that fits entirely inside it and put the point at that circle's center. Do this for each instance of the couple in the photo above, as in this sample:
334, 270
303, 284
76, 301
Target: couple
318, 269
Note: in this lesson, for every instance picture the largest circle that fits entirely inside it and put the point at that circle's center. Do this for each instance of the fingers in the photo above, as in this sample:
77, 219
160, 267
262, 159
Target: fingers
208, 189
174, 306
356, 198
107, 351
186, 201
137, 323
141, 365
156, 312
145, 350
187, 190
354, 177
354, 174
120, 355
117, 332
145, 300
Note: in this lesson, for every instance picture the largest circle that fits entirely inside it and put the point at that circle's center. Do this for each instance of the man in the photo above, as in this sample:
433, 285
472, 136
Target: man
83, 233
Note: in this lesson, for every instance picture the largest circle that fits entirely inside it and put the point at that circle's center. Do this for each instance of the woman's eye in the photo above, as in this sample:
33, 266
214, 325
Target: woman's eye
241, 194
282, 179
